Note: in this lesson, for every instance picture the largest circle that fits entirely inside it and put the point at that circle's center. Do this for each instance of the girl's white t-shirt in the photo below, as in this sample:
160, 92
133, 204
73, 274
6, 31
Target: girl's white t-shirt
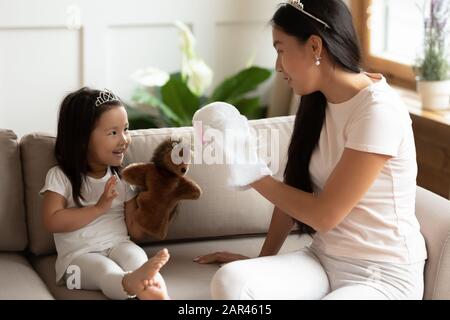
104, 232
382, 226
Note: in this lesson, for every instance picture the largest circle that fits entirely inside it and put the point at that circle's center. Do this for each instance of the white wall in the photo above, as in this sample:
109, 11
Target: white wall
42, 59
44, 54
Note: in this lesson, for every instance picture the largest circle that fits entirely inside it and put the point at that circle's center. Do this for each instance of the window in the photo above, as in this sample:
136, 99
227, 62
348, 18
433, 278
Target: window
391, 34
396, 30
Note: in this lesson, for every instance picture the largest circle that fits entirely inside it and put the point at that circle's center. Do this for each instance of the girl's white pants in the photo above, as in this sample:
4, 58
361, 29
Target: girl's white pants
104, 270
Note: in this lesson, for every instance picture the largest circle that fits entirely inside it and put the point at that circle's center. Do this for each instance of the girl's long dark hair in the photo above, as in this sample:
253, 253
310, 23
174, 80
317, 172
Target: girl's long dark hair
343, 49
77, 119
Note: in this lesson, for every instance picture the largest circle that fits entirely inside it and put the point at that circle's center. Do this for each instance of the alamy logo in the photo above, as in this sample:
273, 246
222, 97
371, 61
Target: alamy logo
73, 277
73, 21
213, 146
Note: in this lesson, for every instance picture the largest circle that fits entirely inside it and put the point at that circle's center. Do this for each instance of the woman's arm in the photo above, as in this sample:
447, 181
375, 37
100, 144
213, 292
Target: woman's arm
135, 231
280, 226
347, 184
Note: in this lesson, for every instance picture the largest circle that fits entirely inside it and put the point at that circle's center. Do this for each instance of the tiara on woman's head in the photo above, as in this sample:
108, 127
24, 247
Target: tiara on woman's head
297, 4
106, 96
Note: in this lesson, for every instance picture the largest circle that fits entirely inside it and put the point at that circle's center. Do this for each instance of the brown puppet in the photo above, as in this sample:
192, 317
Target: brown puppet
164, 184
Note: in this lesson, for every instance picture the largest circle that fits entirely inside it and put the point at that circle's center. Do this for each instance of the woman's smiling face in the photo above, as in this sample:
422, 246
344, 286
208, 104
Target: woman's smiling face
296, 61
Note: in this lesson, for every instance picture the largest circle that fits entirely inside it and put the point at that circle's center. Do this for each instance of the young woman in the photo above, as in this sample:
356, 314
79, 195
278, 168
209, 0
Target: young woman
350, 179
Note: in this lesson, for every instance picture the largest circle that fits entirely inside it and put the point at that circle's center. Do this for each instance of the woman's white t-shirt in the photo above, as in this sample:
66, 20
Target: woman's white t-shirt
104, 232
382, 226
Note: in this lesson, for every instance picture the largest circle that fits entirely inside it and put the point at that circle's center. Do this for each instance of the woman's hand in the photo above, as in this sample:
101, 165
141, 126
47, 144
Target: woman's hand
220, 257
109, 194
239, 142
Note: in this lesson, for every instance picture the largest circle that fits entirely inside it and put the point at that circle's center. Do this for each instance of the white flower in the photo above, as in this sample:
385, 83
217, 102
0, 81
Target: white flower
150, 77
187, 44
194, 70
199, 75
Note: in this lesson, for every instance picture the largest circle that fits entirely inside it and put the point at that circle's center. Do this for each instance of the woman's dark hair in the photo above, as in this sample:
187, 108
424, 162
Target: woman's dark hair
342, 46
78, 115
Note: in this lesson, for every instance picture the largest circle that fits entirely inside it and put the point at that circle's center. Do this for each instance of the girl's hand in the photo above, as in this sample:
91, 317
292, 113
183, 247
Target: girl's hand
220, 257
109, 194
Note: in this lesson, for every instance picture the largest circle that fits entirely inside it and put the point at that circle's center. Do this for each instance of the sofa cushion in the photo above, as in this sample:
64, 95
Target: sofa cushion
219, 212
37, 158
18, 280
184, 278
13, 232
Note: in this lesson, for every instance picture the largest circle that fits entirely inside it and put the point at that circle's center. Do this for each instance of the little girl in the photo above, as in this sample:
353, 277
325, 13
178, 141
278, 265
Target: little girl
89, 209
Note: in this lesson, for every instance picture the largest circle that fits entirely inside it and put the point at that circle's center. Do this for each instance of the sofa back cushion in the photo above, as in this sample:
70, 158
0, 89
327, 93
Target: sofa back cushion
219, 212
37, 158
13, 232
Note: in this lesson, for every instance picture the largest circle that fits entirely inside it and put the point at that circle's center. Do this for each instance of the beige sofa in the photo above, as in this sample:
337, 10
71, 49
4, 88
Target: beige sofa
220, 220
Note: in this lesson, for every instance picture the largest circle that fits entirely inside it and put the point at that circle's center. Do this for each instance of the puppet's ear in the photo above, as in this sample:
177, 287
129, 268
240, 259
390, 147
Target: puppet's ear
135, 173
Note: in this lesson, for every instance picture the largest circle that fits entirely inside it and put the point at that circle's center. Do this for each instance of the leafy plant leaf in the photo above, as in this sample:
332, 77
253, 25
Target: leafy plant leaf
239, 84
140, 120
434, 66
179, 99
141, 96
249, 107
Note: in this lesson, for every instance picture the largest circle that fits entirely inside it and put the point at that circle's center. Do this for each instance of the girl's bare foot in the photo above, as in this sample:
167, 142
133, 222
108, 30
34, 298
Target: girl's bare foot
135, 283
155, 289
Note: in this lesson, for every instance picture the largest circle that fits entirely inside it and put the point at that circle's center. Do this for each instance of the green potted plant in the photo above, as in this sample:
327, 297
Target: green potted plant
170, 100
433, 68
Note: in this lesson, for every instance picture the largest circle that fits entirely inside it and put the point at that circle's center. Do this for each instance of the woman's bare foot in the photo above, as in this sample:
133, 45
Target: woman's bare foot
135, 283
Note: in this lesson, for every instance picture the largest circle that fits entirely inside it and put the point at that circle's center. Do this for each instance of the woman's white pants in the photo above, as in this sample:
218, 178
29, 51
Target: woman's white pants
310, 275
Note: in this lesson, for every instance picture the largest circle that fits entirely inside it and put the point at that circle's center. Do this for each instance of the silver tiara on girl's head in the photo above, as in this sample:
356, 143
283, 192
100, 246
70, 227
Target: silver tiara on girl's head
106, 96
297, 4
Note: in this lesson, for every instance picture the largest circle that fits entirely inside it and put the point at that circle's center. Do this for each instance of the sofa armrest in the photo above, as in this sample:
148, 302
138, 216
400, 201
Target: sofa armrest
433, 213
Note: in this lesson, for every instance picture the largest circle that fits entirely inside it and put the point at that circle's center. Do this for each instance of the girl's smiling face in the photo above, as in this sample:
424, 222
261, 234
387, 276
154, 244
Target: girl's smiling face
109, 140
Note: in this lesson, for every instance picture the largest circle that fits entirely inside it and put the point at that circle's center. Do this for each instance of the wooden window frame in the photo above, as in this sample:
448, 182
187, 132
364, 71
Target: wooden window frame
397, 73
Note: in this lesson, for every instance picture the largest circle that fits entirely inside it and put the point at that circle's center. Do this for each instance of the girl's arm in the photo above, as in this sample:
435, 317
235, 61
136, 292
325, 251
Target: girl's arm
135, 231
347, 184
58, 219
